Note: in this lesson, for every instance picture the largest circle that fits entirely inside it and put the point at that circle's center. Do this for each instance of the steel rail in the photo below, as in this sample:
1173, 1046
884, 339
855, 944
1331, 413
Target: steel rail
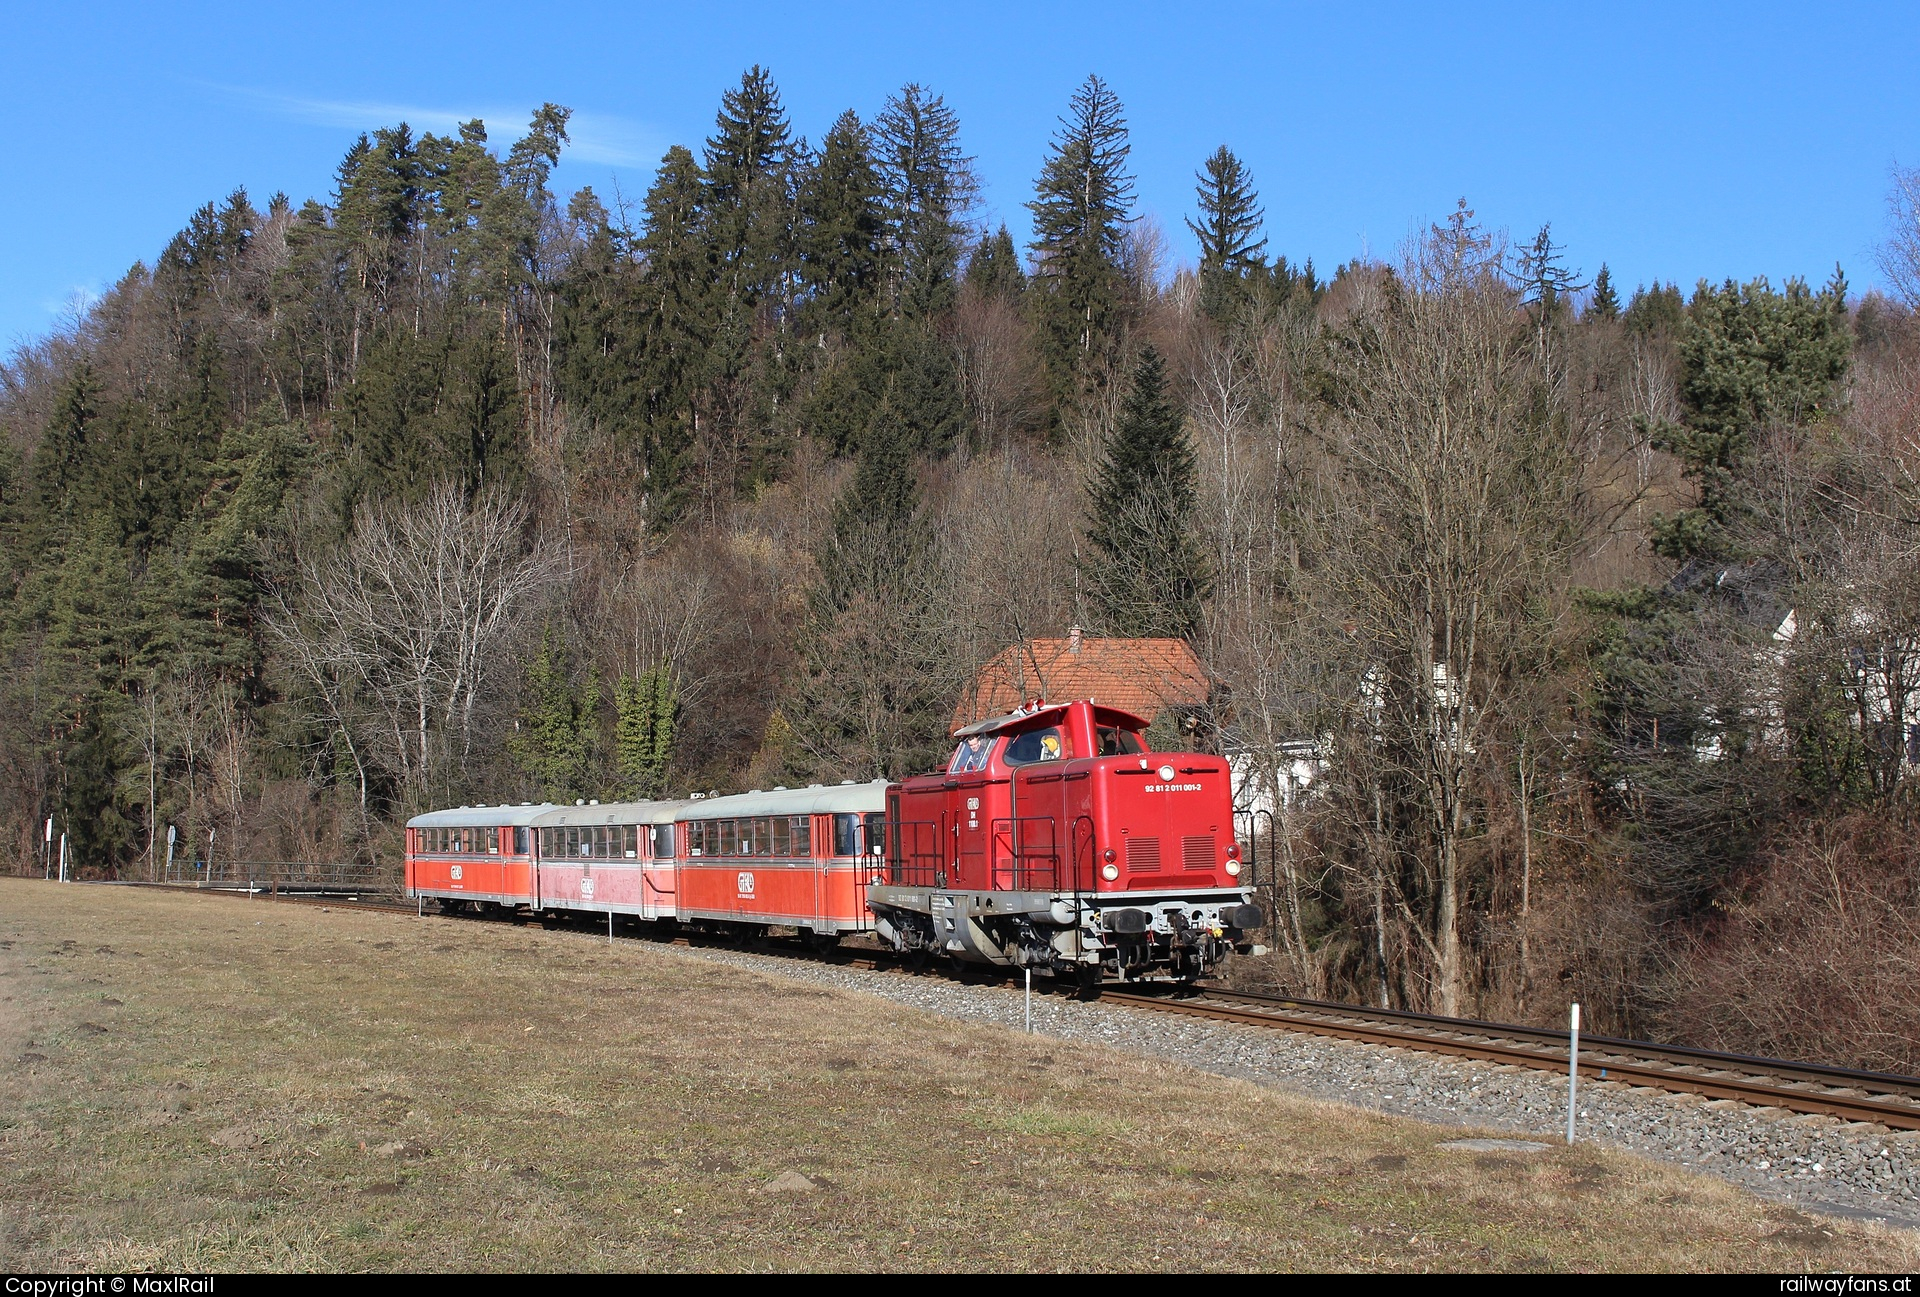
1679, 1055
1622, 1060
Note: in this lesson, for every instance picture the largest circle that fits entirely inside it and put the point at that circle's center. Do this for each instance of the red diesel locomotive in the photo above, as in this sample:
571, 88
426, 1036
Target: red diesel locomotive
1054, 840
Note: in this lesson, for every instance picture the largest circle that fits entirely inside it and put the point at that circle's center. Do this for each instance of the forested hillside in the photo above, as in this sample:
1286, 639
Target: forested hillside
1601, 608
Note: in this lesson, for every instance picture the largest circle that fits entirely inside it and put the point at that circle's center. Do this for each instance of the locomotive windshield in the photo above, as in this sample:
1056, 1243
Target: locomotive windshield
1050, 744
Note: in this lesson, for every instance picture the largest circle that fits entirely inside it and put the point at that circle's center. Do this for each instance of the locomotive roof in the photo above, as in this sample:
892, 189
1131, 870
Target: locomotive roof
1049, 714
481, 816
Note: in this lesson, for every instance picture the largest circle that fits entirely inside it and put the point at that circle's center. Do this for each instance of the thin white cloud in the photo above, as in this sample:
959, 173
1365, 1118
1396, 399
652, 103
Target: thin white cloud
601, 138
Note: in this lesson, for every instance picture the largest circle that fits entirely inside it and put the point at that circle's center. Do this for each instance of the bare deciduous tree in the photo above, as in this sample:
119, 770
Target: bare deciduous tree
398, 630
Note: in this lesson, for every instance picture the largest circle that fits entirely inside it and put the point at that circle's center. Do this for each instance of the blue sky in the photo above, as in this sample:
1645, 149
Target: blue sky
1672, 141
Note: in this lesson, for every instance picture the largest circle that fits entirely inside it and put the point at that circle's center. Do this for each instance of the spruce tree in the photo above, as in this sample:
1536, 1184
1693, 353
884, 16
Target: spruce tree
993, 269
928, 185
877, 531
645, 708
1230, 216
1144, 569
1081, 208
1606, 302
555, 737
841, 207
746, 172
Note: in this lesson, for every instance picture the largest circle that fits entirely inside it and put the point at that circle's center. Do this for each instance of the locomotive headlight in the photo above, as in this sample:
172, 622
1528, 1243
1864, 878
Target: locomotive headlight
1166, 774
1233, 869
1109, 872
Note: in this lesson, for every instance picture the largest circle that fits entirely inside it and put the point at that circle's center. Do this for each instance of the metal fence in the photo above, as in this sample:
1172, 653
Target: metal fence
293, 876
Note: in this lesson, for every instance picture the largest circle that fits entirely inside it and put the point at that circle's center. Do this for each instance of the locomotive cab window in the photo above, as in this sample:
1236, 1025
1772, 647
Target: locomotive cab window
971, 755
1116, 742
1049, 744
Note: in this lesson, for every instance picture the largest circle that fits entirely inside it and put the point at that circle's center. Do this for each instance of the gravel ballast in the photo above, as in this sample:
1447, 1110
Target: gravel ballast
1808, 1161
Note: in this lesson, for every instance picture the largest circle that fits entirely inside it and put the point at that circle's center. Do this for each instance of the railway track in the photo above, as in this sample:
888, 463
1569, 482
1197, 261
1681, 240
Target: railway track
1846, 1093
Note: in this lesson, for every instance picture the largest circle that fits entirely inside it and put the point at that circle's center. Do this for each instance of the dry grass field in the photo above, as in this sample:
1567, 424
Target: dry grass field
198, 1082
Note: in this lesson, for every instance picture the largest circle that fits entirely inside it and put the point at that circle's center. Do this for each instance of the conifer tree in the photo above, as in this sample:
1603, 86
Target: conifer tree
645, 708
840, 205
994, 269
746, 179
928, 184
1749, 356
1081, 208
554, 742
1144, 569
1606, 302
877, 529
1230, 216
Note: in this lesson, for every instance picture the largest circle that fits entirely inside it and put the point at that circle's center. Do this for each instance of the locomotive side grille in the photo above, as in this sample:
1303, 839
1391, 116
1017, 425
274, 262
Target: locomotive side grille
1197, 851
1143, 855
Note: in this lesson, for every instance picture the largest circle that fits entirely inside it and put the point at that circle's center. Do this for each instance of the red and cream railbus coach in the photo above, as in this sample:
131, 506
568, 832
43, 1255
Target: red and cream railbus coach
477, 857
796, 857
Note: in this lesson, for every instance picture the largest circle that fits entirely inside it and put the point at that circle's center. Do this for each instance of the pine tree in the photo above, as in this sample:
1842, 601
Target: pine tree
554, 743
1606, 302
1081, 209
928, 184
1749, 357
1145, 571
645, 708
1230, 216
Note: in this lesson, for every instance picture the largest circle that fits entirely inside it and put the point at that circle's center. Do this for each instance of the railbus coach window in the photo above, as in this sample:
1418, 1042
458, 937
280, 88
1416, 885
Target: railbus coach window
520, 842
871, 831
729, 838
846, 835
630, 842
781, 837
803, 835
663, 842
493, 841
763, 836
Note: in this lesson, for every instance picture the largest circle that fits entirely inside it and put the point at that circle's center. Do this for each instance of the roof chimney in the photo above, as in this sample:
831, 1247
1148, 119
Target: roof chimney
1073, 639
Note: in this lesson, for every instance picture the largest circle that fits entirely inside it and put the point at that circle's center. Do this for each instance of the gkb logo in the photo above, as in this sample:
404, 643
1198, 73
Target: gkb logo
746, 883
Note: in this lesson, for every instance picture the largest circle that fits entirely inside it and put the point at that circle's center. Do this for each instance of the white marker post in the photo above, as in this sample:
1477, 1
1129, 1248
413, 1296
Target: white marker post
63, 857
46, 852
1029, 1001
169, 874
609, 927
1573, 1071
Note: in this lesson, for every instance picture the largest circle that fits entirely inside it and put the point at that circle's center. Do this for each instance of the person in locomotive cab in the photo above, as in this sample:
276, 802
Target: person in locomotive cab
1050, 746
971, 755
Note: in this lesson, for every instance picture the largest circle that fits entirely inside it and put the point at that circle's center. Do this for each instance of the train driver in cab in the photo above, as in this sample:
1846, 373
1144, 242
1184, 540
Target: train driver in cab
971, 755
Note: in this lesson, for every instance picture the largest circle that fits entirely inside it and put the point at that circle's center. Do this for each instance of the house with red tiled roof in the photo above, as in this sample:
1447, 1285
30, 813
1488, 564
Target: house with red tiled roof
1159, 679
